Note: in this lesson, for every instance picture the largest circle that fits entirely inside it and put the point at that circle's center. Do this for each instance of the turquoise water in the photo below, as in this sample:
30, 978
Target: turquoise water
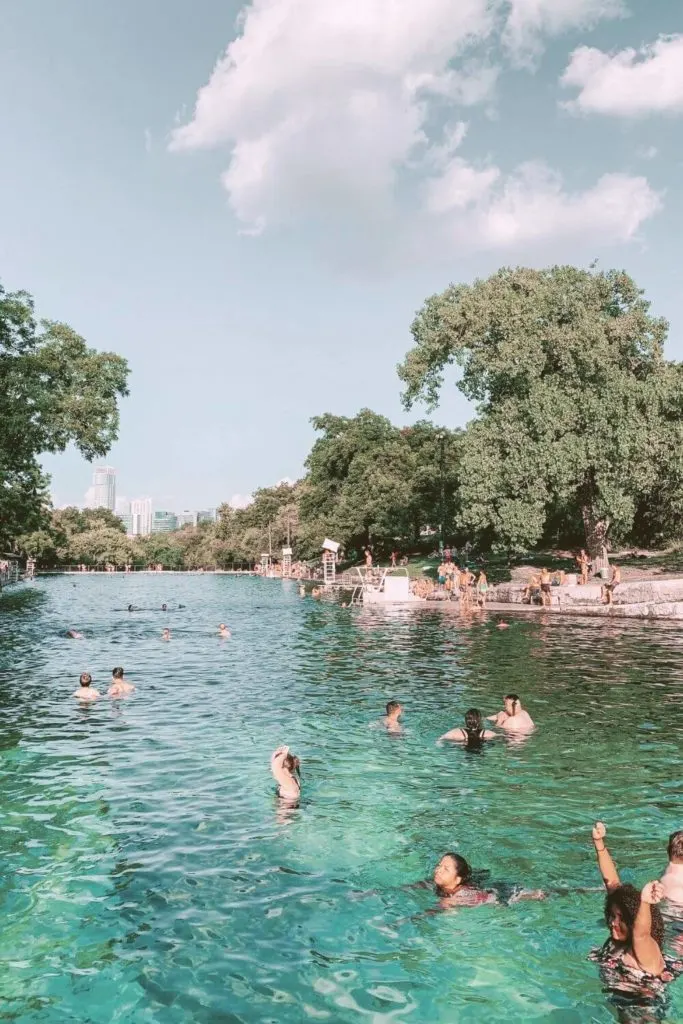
148, 874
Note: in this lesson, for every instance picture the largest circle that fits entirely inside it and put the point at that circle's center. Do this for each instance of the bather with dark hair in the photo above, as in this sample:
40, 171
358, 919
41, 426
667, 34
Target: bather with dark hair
632, 963
473, 734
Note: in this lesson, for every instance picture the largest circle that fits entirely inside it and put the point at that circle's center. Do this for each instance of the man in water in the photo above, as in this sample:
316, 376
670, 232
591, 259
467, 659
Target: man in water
223, 631
514, 718
164, 607
73, 634
86, 690
392, 721
672, 879
166, 635
120, 687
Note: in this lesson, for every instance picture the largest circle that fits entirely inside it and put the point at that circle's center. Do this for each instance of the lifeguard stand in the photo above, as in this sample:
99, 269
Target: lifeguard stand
329, 557
286, 563
266, 564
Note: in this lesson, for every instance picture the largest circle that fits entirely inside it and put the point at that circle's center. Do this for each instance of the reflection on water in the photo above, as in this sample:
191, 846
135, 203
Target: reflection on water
152, 875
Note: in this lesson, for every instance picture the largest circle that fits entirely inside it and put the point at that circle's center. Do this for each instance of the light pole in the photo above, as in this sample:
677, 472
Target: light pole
442, 445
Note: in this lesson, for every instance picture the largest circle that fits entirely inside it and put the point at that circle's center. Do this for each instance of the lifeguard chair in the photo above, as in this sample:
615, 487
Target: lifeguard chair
286, 563
329, 559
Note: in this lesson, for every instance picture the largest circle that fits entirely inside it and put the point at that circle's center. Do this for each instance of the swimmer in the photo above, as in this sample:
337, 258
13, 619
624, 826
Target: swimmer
502, 625
131, 608
286, 769
473, 734
73, 634
633, 951
223, 631
164, 607
86, 690
456, 887
392, 720
120, 687
514, 718
672, 879
166, 635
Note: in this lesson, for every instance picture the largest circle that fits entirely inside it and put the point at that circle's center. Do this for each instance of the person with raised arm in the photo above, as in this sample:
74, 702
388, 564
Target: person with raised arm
632, 955
513, 718
286, 769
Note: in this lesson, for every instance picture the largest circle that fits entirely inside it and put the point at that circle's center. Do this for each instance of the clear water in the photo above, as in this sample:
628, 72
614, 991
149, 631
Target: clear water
149, 876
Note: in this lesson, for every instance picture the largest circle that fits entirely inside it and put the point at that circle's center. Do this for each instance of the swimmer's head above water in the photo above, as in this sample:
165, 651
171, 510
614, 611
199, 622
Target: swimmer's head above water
117, 673
85, 679
621, 909
512, 704
675, 848
394, 709
451, 872
292, 763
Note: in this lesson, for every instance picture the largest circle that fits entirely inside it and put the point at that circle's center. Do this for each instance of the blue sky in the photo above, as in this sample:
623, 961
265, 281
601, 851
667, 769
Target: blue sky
255, 235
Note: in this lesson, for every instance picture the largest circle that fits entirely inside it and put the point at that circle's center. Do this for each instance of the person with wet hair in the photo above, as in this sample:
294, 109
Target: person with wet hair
672, 879
120, 687
473, 734
513, 718
392, 721
455, 886
224, 632
632, 955
86, 691
286, 769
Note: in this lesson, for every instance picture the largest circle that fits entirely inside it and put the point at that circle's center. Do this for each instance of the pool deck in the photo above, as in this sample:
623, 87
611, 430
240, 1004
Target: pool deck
636, 599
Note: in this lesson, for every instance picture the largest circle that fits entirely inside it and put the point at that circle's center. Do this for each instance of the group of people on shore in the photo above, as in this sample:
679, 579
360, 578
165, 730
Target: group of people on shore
462, 584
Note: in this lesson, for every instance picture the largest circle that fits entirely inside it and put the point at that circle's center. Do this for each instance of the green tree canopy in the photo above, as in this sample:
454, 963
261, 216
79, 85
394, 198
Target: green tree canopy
54, 391
578, 411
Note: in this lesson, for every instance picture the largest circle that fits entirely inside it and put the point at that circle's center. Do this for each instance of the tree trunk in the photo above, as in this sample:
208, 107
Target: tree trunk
596, 535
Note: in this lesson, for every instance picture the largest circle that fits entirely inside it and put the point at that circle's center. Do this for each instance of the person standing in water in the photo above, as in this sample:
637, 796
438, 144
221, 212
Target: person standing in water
633, 951
286, 769
86, 691
120, 687
514, 718
472, 734
392, 721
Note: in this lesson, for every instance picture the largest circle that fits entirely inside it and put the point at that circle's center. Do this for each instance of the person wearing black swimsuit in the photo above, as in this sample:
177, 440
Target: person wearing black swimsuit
473, 734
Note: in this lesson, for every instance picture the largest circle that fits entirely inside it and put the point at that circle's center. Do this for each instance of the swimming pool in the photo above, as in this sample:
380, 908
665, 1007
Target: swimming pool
149, 876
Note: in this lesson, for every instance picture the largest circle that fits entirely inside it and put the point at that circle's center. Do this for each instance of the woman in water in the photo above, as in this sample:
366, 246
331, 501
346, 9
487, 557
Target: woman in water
482, 589
473, 734
454, 884
631, 960
286, 769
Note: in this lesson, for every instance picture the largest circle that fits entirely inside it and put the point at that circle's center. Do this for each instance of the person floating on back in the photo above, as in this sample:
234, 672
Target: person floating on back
120, 687
514, 718
286, 769
86, 691
392, 721
473, 734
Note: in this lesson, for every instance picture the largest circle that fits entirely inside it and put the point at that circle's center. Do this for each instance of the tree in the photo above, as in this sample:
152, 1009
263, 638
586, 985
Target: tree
578, 411
54, 391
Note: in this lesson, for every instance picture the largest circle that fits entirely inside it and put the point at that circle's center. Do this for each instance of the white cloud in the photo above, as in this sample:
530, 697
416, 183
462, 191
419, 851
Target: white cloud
532, 206
648, 152
329, 111
529, 20
240, 500
630, 83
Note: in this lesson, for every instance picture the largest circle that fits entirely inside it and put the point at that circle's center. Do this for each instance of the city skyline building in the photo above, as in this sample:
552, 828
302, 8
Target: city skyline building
164, 522
102, 492
141, 516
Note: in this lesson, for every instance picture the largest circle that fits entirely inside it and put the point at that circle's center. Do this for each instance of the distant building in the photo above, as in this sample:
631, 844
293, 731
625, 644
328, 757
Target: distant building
206, 515
141, 514
186, 519
102, 493
164, 522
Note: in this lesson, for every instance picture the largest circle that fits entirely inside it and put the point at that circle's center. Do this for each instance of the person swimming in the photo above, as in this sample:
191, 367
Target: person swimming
454, 884
166, 635
131, 608
631, 959
672, 879
286, 769
73, 634
120, 687
514, 718
223, 631
164, 607
391, 721
473, 734
86, 691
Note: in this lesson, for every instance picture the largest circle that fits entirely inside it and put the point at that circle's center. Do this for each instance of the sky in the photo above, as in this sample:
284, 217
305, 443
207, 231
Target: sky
250, 202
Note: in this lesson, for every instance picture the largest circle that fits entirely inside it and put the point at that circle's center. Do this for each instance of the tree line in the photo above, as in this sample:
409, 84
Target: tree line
576, 436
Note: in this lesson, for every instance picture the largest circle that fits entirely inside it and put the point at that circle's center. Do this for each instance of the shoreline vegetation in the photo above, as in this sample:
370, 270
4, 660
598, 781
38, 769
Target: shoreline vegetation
576, 441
